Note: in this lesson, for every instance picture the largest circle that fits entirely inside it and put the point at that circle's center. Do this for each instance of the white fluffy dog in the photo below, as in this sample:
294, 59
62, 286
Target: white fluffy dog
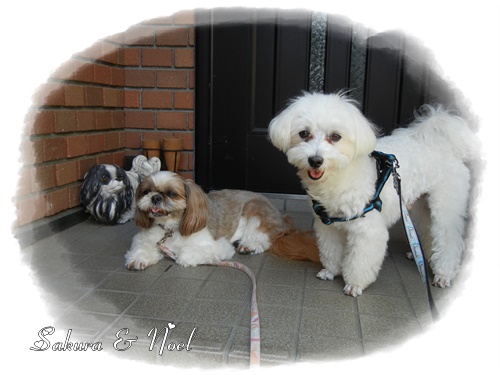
199, 228
329, 140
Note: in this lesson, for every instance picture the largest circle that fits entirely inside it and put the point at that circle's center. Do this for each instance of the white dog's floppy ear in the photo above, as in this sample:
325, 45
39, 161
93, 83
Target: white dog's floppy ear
196, 214
280, 129
365, 137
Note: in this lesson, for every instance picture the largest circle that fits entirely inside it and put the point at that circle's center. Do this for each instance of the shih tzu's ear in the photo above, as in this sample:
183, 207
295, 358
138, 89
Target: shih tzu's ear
196, 214
142, 219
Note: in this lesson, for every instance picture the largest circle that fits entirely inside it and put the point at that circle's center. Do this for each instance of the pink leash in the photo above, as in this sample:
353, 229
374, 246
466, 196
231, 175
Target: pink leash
254, 311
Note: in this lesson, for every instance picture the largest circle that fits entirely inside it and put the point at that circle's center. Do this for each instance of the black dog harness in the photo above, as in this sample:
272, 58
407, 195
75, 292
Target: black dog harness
386, 165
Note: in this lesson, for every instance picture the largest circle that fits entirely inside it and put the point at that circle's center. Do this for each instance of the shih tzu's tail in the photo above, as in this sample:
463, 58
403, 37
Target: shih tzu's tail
295, 244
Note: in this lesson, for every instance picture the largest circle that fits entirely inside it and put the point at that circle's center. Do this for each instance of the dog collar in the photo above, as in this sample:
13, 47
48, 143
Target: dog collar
168, 233
386, 165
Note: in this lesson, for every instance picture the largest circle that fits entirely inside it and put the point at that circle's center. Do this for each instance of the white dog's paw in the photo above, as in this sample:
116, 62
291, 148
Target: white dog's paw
324, 274
353, 290
441, 281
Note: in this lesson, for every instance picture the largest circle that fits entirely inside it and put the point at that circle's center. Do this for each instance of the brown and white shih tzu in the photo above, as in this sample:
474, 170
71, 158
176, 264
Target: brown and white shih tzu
201, 228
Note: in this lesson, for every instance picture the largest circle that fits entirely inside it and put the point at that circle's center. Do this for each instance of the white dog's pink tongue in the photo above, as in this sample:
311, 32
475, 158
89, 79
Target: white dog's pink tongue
315, 174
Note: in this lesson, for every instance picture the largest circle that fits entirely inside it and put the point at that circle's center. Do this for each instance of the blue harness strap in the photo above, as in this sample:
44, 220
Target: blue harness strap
414, 243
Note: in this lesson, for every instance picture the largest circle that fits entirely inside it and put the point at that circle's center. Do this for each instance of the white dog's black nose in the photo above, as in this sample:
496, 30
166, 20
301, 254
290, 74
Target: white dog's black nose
156, 199
315, 161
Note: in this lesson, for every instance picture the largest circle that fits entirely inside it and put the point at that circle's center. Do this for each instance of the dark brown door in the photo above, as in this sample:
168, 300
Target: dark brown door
249, 63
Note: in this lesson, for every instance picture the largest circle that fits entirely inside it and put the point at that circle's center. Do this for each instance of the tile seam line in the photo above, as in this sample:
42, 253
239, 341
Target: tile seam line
407, 296
295, 348
104, 332
192, 300
237, 323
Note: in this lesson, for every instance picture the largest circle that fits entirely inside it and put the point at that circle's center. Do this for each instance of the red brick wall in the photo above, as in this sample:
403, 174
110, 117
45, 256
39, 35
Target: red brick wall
99, 106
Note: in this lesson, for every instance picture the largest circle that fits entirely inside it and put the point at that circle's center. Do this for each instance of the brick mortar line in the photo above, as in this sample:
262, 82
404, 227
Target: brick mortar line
41, 137
37, 194
74, 159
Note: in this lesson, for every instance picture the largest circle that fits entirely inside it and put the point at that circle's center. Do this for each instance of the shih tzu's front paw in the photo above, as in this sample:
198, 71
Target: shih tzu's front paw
138, 263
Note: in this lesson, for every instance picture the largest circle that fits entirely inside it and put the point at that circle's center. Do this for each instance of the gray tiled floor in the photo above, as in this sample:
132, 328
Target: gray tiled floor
303, 318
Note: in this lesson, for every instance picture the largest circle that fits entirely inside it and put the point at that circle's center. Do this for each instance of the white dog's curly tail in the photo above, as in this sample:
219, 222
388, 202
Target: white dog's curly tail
434, 124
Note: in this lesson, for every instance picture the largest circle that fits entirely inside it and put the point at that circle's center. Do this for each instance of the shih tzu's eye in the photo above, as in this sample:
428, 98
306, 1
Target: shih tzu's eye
304, 134
146, 192
334, 137
171, 194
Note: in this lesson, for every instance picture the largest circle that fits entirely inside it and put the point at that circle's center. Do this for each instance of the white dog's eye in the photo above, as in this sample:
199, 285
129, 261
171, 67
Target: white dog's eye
334, 137
304, 134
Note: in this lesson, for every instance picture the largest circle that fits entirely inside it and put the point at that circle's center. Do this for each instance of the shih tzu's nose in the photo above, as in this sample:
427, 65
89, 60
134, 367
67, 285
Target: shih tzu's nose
156, 199
315, 161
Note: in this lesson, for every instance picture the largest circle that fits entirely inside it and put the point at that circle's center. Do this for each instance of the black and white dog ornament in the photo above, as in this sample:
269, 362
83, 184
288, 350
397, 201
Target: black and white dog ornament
108, 190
